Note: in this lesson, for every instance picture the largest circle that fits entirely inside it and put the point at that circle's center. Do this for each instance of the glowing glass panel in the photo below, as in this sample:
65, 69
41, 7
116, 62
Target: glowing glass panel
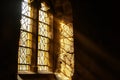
26, 24
44, 30
25, 42
25, 39
26, 9
44, 7
43, 38
43, 43
43, 60
44, 16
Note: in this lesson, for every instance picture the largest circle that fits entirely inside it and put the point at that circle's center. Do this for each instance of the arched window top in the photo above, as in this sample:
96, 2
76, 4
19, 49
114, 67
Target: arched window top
44, 6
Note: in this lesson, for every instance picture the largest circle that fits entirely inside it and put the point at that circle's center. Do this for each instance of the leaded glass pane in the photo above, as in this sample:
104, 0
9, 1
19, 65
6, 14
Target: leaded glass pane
44, 35
43, 43
26, 24
25, 39
43, 17
44, 30
44, 7
24, 58
24, 55
26, 9
43, 56
43, 62
25, 42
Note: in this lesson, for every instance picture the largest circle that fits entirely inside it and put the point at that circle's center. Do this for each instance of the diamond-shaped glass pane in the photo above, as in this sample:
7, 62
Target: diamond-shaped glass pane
26, 9
44, 30
43, 60
26, 24
24, 55
43, 43
43, 17
24, 58
25, 39
25, 42
44, 36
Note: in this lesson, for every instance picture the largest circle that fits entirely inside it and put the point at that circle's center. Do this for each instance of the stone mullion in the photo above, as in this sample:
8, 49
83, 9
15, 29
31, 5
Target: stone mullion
56, 45
34, 37
51, 43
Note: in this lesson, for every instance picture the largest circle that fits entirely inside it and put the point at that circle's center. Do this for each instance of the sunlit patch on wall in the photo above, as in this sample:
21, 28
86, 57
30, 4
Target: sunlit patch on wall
66, 56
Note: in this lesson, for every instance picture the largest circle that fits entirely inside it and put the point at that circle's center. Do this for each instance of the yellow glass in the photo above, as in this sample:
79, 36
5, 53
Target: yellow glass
43, 38
25, 42
44, 7
26, 24
44, 30
43, 43
43, 62
25, 39
26, 9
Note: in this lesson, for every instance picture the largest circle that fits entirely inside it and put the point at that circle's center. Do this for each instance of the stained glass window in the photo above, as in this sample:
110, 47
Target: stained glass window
26, 37
25, 42
38, 32
44, 38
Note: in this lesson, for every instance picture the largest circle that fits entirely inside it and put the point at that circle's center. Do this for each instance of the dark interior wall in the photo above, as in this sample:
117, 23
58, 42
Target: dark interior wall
96, 41
9, 36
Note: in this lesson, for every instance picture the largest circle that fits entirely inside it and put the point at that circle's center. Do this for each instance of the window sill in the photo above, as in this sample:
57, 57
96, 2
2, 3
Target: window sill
32, 75
26, 72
